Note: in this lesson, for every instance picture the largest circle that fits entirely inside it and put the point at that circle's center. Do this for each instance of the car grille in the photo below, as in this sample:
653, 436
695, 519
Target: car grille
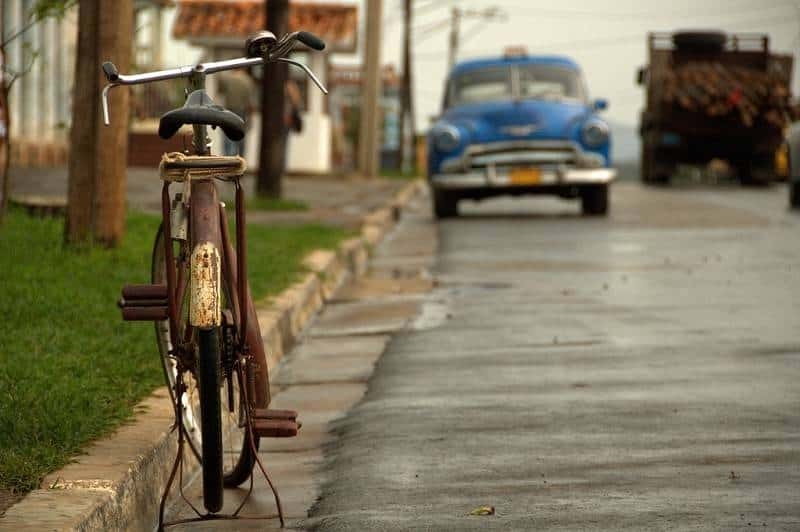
545, 154
541, 153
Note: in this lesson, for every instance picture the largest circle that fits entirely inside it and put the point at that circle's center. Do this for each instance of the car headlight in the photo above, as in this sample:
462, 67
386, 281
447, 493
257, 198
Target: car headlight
446, 138
595, 133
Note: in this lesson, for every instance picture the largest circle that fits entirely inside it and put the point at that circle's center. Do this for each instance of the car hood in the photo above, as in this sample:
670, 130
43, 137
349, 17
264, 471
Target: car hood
519, 120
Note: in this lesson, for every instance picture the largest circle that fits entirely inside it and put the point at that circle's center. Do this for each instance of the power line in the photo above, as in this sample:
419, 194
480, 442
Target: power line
607, 41
431, 27
527, 11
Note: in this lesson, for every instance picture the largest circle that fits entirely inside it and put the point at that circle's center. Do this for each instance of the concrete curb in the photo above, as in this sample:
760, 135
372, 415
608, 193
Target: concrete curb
117, 485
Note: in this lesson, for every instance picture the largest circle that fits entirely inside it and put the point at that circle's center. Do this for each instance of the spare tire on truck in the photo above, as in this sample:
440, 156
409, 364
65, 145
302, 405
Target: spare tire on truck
699, 41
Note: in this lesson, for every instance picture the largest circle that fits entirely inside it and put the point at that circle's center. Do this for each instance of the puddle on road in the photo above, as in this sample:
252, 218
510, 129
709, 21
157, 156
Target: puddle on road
432, 314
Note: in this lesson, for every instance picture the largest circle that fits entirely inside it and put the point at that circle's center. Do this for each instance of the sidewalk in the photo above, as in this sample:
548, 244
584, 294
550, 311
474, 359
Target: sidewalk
342, 202
119, 478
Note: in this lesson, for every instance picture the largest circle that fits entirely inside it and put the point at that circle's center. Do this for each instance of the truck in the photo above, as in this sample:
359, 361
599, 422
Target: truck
713, 96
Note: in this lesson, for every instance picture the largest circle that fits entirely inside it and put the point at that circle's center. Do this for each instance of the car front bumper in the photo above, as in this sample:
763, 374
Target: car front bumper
498, 179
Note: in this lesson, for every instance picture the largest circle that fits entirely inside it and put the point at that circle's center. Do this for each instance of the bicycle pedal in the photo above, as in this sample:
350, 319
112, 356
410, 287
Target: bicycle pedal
275, 428
269, 423
143, 302
269, 413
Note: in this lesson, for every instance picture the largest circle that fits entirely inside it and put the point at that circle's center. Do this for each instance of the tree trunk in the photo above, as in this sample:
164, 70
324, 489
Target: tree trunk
97, 163
5, 146
272, 157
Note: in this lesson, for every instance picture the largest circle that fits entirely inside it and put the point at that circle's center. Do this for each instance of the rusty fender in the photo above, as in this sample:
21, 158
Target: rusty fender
204, 307
205, 283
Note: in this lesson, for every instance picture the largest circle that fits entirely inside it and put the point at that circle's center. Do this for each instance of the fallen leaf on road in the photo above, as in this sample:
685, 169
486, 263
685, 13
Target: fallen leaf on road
483, 510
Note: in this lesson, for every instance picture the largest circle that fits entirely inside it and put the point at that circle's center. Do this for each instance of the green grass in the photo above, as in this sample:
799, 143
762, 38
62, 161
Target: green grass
399, 174
275, 204
70, 369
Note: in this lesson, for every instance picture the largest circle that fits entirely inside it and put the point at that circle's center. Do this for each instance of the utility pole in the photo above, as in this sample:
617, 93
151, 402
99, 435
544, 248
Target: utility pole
407, 94
455, 23
368, 153
490, 13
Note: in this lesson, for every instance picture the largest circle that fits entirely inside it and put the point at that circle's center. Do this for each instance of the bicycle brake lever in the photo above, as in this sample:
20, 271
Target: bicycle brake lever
308, 72
106, 89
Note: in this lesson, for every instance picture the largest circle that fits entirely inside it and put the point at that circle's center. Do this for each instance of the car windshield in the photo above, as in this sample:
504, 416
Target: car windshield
481, 86
549, 82
534, 82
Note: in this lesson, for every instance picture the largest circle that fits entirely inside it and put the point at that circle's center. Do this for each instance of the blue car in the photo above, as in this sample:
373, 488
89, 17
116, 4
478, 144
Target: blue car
519, 125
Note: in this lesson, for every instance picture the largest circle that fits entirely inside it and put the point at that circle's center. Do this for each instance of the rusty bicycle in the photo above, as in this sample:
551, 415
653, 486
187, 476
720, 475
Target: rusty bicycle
207, 331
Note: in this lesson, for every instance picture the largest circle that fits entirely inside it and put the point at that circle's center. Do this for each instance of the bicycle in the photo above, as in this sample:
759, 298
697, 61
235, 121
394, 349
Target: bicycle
206, 327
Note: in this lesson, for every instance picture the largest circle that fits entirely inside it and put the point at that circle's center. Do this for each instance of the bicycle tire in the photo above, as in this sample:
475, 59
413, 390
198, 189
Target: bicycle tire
208, 377
240, 457
228, 457
188, 402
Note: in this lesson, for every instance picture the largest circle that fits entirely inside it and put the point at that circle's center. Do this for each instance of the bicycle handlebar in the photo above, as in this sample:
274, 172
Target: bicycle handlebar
271, 50
311, 40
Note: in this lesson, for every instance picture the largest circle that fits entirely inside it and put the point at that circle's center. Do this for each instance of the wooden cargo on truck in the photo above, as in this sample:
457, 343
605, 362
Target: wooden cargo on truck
713, 96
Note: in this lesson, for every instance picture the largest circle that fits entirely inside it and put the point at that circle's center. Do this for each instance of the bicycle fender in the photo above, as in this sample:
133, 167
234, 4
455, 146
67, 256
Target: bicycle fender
204, 299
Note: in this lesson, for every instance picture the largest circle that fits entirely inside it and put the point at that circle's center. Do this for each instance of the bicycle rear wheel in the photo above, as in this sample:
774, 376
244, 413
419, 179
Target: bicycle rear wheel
208, 378
189, 398
227, 450
221, 412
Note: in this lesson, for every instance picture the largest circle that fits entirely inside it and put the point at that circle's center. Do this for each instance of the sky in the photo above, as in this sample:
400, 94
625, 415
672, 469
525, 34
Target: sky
608, 39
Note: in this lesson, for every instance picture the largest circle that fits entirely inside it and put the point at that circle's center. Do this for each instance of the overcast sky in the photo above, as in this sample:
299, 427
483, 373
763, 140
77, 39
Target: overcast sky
606, 38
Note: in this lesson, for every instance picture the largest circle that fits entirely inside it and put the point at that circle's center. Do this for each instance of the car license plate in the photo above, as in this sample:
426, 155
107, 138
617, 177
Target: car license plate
525, 176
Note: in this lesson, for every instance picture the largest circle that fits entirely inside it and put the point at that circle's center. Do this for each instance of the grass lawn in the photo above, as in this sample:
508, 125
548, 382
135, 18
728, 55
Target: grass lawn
70, 369
259, 203
400, 174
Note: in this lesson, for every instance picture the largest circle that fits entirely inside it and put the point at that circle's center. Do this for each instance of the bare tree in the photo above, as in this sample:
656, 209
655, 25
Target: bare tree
98, 156
272, 157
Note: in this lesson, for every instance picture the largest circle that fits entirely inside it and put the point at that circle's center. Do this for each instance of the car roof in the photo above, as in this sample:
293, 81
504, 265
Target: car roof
486, 62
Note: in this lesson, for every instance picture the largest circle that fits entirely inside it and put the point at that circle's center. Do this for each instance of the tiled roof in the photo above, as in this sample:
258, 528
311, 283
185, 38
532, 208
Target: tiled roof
205, 21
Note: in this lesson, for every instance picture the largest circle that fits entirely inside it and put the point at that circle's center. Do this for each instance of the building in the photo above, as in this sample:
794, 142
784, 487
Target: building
220, 27
41, 56
345, 109
40, 101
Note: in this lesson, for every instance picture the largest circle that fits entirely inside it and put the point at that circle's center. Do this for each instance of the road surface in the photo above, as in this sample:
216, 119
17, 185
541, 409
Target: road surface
635, 372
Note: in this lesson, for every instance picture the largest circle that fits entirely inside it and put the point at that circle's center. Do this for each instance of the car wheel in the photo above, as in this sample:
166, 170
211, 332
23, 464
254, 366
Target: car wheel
445, 204
654, 171
594, 200
755, 172
794, 194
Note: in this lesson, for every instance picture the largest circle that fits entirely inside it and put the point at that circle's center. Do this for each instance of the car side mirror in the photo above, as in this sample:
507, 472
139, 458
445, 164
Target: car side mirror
600, 104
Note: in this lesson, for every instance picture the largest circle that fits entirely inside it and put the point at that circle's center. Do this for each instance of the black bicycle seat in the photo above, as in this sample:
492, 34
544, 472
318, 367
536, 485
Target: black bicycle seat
201, 109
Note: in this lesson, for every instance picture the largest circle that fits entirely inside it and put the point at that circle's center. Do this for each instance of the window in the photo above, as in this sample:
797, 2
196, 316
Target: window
481, 86
531, 81
547, 82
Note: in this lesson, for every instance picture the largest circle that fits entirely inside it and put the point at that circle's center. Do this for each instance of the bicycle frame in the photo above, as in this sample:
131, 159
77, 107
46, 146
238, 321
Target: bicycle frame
216, 340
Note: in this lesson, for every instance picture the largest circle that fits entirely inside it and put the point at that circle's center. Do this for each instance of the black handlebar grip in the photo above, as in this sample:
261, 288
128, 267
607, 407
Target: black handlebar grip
311, 40
111, 72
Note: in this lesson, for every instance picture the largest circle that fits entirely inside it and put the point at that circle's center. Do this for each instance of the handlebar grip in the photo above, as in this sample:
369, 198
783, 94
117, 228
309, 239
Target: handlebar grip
111, 72
311, 40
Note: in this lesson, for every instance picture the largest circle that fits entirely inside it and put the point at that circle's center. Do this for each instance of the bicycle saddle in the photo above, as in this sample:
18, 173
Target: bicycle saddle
201, 109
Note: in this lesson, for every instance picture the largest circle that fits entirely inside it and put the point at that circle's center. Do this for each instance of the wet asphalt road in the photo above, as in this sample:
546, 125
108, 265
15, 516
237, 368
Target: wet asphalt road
640, 372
